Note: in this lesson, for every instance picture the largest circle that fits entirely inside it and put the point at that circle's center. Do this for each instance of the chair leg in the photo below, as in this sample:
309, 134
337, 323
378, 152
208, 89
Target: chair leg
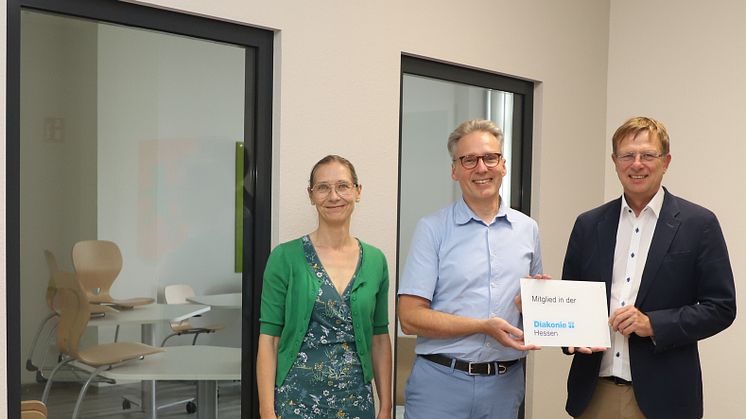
169, 337
30, 361
85, 389
48, 386
50, 334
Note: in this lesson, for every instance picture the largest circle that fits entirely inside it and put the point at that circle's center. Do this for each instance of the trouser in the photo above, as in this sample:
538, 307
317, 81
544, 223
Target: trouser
612, 401
437, 391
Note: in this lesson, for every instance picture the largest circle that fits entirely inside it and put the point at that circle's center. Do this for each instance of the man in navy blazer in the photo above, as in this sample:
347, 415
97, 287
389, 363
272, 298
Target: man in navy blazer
669, 284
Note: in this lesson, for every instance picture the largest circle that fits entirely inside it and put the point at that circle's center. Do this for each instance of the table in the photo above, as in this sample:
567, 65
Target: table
147, 316
231, 300
205, 364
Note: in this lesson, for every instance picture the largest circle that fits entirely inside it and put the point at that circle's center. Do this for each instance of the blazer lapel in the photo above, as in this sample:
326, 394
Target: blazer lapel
665, 231
606, 242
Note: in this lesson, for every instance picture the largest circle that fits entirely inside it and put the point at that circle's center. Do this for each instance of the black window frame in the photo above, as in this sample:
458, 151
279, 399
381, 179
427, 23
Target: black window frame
258, 161
521, 161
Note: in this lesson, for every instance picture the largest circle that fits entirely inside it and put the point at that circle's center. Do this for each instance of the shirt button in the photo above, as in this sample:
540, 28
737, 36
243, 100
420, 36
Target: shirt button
633, 255
622, 303
617, 354
628, 279
637, 230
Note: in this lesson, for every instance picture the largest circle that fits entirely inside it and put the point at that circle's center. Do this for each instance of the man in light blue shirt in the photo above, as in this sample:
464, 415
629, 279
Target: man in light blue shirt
459, 287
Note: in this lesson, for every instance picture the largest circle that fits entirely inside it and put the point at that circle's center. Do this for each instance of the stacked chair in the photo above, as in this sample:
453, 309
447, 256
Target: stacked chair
74, 310
48, 323
98, 263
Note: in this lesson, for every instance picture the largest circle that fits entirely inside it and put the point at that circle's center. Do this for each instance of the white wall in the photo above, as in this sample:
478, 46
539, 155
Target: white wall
683, 62
337, 91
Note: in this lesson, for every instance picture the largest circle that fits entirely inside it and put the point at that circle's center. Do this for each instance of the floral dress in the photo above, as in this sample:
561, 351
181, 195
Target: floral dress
326, 380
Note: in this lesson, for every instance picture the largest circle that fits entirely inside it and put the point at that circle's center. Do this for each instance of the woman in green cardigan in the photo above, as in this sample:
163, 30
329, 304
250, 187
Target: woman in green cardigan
324, 315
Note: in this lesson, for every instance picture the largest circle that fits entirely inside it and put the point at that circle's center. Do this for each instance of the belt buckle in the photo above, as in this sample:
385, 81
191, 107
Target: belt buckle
470, 372
501, 368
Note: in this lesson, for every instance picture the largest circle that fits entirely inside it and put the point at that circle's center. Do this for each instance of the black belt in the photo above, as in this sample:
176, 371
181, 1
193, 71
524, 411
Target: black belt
618, 381
472, 368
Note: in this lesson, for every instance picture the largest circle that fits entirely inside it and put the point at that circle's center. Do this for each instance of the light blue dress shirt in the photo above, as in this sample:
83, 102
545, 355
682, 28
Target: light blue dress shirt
468, 268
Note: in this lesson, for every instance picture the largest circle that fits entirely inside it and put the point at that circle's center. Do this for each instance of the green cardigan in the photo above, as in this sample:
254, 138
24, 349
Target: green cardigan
288, 296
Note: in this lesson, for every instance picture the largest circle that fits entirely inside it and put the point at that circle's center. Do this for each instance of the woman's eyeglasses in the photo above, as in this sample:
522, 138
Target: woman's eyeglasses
341, 188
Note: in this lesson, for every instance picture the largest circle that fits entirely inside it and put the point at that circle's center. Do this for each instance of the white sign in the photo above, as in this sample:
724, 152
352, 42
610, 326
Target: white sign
564, 313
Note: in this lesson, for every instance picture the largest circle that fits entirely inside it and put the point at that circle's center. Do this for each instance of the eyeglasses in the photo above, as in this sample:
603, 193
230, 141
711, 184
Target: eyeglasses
645, 157
341, 188
470, 161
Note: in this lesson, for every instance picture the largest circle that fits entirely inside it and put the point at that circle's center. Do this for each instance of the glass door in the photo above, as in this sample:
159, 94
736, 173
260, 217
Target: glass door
147, 137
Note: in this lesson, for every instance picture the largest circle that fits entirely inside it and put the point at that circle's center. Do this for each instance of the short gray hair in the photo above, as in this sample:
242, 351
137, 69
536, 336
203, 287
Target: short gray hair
473, 125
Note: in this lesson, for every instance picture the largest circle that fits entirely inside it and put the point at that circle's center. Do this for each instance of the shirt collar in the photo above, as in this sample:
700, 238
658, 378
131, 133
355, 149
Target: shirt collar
463, 214
655, 204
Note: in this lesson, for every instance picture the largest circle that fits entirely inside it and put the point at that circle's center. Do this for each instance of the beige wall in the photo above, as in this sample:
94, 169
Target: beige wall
337, 69
683, 62
337, 90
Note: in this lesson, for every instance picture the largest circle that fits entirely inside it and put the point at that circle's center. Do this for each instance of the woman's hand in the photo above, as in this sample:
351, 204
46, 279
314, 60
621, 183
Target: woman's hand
384, 414
266, 361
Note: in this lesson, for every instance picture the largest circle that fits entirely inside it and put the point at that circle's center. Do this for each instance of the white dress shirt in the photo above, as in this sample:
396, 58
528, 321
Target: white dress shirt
633, 237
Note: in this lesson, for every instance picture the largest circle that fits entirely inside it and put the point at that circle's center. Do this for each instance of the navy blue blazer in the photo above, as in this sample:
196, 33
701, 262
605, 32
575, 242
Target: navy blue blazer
686, 290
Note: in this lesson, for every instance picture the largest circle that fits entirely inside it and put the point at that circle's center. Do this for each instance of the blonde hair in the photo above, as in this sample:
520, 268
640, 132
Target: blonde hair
635, 126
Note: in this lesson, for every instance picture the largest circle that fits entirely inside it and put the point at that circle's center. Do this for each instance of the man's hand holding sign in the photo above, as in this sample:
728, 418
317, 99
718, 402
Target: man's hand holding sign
570, 314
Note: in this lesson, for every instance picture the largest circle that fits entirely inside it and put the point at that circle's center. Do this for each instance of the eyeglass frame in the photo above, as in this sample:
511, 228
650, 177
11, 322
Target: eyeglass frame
333, 186
479, 157
645, 157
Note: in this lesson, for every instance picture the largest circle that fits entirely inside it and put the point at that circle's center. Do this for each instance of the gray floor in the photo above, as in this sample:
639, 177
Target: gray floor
107, 400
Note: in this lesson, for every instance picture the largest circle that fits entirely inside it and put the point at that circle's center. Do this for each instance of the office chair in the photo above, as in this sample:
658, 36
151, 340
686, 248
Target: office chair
75, 311
97, 264
178, 294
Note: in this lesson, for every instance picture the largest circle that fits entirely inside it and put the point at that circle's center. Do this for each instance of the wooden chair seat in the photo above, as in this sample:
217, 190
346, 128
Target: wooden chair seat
115, 353
33, 409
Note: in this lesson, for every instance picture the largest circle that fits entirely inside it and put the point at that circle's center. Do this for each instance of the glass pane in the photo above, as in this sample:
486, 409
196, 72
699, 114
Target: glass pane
128, 135
431, 109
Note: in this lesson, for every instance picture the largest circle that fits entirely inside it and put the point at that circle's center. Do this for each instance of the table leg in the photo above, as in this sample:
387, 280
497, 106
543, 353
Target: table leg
207, 399
148, 386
